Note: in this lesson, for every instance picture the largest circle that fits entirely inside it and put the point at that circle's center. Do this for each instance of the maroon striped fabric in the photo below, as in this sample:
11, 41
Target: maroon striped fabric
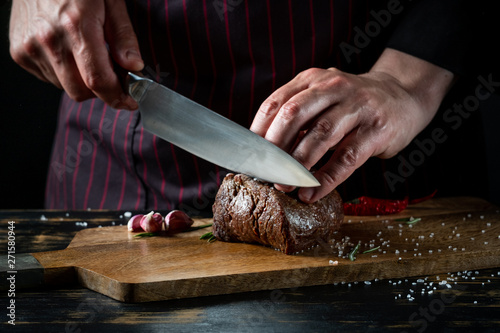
228, 55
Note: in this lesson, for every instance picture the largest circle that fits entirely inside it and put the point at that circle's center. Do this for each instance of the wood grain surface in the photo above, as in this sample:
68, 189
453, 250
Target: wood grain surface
453, 235
457, 301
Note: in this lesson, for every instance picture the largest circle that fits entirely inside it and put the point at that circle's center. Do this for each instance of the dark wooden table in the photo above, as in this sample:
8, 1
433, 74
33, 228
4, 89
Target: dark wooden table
466, 301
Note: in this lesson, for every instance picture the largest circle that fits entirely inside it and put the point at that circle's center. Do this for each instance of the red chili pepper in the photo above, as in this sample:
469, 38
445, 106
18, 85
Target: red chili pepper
371, 206
364, 206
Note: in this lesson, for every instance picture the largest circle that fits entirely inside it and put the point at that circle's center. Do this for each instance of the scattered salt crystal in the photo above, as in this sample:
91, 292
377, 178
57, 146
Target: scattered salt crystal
127, 214
368, 282
43, 218
334, 263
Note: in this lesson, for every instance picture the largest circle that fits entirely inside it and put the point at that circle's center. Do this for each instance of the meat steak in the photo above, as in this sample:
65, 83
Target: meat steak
246, 210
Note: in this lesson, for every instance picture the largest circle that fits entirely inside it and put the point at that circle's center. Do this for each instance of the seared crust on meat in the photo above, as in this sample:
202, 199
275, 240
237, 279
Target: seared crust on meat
246, 210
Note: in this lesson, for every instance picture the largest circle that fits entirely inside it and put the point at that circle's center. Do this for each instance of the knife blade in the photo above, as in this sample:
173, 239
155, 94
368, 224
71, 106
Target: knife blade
213, 137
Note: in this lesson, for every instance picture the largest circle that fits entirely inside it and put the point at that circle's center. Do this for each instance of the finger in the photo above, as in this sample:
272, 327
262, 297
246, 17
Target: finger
325, 133
72, 82
94, 64
299, 112
350, 154
58, 65
121, 37
270, 107
39, 70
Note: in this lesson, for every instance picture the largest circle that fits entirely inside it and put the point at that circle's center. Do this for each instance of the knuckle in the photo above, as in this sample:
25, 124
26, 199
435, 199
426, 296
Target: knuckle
17, 54
48, 37
71, 21
377, 120
308, 73
290, 110
268, 107
339, 81
27, 49
323, 128
329, 181
96, 81
348, 157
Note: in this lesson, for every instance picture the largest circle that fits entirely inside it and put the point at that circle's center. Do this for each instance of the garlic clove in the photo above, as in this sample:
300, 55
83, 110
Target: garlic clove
177, 221
151, 222
134, 224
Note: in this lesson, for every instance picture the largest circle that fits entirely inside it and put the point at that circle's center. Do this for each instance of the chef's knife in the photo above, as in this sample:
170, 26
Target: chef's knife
212, 137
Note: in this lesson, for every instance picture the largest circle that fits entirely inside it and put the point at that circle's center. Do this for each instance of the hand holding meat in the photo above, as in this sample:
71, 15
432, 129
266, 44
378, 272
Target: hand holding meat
65, 42
374, 114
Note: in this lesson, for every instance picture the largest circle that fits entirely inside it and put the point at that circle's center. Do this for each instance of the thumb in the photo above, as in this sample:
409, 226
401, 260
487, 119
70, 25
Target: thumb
120, 36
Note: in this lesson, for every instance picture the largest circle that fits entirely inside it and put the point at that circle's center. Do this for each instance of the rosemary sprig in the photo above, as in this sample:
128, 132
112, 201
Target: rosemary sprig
371, 250
209, 236
413, 221
409, 220
146, 234
352, 255
353, 201
199, 227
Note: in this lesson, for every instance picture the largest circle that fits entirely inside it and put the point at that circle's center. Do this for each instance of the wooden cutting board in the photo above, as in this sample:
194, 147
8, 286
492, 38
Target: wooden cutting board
453, 235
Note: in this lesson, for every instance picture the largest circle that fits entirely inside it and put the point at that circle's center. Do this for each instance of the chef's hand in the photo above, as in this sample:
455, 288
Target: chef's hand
374, 114
64, 42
